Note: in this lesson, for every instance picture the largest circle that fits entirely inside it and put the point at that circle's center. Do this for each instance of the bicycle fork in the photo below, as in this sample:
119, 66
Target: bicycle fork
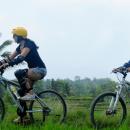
114, 100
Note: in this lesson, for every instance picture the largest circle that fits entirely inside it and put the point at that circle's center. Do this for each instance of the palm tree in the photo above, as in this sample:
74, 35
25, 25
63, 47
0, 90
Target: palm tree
3, 46
4, 54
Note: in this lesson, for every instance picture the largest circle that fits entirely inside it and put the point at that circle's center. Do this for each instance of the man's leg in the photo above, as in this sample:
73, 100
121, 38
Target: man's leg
27, 77
33, 75
21, 75
26, 80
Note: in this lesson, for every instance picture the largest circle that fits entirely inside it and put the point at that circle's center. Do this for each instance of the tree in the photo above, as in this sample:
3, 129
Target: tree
3, 46
77, 78
4, 54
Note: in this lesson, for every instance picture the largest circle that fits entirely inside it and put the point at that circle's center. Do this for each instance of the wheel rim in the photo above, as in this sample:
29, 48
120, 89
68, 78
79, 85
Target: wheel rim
1, 111
56, 111
104, 116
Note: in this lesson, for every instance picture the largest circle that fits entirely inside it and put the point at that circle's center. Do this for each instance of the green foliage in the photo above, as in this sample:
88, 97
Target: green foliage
2, 90
8, 99
78, 87
6, 54
39, 86
5, 44
77, 119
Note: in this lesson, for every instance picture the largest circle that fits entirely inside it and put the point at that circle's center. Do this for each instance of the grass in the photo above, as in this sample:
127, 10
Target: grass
77, 119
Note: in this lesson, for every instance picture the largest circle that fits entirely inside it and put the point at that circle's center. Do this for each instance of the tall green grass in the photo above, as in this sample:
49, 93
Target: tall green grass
77, 119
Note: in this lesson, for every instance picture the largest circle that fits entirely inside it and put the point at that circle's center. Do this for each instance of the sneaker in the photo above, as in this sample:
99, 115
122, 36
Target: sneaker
28, 96
17, 120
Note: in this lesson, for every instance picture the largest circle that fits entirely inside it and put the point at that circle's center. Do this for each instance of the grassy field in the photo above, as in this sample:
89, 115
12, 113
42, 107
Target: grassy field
77, 119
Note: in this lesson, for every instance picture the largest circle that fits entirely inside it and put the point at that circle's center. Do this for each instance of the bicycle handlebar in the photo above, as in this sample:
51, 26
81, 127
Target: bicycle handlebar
124, 73
121, 70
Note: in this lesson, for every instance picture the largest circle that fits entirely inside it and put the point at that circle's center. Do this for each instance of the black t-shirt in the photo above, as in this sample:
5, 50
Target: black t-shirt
33, 59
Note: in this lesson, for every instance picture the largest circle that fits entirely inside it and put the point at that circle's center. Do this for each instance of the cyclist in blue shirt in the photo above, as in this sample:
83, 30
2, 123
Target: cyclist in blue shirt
26, 51
125, 67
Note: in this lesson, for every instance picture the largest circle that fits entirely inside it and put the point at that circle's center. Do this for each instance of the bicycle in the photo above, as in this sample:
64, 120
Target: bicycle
109, 108
47, 105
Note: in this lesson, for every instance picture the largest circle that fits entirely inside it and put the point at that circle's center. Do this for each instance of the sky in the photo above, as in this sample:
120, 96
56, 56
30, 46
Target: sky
87, 38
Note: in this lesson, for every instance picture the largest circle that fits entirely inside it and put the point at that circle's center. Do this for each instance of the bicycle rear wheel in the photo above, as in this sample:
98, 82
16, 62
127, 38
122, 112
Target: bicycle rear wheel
54, 109
2, 110
102, 115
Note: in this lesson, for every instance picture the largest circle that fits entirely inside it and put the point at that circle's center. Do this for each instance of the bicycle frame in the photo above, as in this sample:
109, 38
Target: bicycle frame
123, 84
7, 83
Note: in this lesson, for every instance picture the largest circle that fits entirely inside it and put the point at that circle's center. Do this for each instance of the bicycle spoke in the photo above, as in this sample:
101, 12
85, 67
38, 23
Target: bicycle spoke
52, 109
102, 115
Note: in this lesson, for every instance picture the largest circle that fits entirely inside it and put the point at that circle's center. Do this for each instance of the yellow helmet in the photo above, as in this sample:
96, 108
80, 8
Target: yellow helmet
20, 31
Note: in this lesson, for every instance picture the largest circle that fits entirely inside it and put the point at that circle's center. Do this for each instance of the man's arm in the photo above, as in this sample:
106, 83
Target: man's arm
9, 58
24, 53
13, 55
20, 58
11, 61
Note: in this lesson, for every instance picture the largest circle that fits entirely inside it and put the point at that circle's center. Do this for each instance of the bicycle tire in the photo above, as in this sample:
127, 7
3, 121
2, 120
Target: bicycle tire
59, 97
101, 96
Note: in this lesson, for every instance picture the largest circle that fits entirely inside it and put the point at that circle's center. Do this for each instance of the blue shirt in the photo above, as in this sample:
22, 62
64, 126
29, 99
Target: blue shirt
33, 59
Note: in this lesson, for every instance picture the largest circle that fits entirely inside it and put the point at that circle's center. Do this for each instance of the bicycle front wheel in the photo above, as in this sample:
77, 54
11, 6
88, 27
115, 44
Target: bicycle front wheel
102, 113
49, 107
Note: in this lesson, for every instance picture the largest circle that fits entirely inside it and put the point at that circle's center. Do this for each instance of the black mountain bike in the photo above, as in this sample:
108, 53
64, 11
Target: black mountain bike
47, 106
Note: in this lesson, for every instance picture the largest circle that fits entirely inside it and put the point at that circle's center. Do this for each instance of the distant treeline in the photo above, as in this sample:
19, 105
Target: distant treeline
77, 87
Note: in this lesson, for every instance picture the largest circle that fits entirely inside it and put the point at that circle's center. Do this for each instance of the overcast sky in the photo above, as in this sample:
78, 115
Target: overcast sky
75, 37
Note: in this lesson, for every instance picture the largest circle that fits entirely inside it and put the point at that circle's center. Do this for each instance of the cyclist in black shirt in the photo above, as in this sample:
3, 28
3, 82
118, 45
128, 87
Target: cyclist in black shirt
26, 51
